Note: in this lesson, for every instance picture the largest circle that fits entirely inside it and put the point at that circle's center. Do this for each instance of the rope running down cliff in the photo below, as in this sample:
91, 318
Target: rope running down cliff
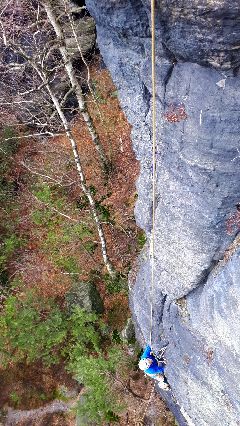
153, 163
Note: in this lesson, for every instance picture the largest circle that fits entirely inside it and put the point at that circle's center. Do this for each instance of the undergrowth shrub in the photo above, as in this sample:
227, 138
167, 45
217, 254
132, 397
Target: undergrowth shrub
141, 239
67, 263
15, 398
38, 330
9, 239
97, 373
116, 284
7, 184
7, 149
8, 246
29, 332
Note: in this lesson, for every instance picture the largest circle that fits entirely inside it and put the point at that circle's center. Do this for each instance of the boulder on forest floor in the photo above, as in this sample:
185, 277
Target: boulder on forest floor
128, 333
86, 296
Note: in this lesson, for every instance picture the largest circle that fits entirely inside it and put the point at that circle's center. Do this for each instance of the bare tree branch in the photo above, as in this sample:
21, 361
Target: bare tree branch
75, 84
47, 111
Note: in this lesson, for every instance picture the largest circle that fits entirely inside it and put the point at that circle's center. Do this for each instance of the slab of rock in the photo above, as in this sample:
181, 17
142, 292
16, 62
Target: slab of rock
39, 416
128, 333
206, 32
204, 349
198, 191
86, 36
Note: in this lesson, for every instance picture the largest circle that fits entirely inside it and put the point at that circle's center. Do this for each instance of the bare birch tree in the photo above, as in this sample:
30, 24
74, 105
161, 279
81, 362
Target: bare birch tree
57, 15
33, 73
55, 21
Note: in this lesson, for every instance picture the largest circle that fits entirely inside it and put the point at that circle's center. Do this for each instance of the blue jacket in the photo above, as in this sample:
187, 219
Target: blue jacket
154, 367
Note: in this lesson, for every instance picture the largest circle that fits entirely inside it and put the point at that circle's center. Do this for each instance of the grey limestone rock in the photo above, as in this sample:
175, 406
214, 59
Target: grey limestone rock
204, 347
128, 333
198, 187
202, 31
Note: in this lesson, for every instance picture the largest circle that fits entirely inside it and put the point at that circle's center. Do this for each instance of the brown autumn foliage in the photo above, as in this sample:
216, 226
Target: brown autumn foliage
54, 159
51, 164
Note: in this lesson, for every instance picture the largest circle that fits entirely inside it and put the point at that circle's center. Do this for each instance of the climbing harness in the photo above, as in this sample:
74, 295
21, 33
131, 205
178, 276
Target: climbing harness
153, 163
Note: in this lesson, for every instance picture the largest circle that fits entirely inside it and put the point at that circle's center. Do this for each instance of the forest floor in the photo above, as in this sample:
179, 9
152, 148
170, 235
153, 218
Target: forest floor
56, 252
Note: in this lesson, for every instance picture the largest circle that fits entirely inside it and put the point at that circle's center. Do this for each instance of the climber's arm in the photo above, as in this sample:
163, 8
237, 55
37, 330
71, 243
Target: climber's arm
147, 352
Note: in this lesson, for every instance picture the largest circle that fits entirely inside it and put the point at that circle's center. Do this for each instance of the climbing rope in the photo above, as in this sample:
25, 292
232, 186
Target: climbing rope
153, 163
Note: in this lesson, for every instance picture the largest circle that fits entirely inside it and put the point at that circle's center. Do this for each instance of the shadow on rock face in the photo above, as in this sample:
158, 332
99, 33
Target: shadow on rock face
202, 31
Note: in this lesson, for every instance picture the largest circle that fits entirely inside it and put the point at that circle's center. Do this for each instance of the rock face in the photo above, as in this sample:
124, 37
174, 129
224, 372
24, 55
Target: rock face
81, 23
206, 32
196, 305
86, 35
204, 349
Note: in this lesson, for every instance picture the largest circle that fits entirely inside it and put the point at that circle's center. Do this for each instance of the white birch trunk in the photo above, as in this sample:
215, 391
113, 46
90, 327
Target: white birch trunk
84, 186
75, 84
18, 49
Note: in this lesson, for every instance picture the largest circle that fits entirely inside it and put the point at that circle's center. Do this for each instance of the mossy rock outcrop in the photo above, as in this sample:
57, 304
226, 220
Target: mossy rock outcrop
86, 34
85, 295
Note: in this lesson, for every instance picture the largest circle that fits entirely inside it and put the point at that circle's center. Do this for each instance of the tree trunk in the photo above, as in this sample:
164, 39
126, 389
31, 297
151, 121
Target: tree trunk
75, 84
84, 186
41, 73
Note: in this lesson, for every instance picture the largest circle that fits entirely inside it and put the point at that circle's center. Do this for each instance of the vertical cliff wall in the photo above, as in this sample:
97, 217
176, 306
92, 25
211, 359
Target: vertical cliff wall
196, 300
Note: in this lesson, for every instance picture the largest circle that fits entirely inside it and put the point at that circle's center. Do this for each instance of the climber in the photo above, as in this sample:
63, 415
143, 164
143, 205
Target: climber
153, 368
